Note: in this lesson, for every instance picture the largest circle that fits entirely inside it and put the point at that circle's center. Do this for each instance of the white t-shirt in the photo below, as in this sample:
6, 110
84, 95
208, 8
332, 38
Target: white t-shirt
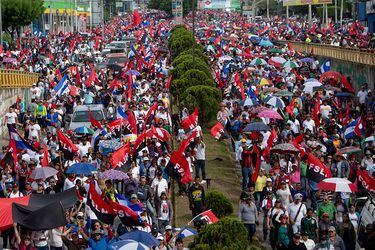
11, 117
293, 209
201, 151
362, 96
310, 244
164, 210
284, 196
15, 195
162, 186
354, 220
308, 125
84, 149
34, 131
325, 109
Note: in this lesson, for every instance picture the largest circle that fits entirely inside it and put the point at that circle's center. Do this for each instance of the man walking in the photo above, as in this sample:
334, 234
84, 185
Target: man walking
200, 158
296, 211
196, 197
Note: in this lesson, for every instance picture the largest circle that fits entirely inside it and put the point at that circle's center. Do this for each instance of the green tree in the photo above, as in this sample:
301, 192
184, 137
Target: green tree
185, 56
227, 234
192, 77
180, 44
19, 13
198, 52
184, 66
218, 203
206, 98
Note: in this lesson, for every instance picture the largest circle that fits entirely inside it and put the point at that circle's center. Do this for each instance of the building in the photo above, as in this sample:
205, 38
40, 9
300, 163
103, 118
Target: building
366, 14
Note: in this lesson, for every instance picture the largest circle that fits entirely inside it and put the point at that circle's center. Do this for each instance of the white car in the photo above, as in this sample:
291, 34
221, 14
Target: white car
81, 118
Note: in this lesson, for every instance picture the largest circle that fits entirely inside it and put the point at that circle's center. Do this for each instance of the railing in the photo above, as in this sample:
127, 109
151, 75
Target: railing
361, 56
17, 79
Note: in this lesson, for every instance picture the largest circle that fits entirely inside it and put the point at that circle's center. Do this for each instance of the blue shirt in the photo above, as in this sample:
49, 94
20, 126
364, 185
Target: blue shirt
99, 245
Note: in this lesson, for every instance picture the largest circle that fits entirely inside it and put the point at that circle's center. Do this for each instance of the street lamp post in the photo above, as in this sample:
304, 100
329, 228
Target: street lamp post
1, 27
193, 10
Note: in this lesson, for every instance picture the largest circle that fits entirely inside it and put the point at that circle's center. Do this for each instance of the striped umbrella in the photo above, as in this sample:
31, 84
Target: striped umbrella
337, 185
290, 64
258, 61
276, 61
275, 102
310, 87
250, 102
84, 130
270, 114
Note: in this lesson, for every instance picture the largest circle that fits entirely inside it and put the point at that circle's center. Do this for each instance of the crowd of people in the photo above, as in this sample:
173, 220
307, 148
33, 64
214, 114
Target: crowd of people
135, 101
268, 83
255, 74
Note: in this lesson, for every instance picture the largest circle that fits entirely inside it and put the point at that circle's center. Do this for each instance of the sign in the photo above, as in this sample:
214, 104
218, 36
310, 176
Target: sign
119, 4
305, 2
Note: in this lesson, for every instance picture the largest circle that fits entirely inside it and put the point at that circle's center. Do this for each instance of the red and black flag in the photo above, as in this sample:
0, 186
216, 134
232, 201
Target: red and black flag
10, 156
120, 156
316, 170
102, 209
207, 217
217, 131
178, 168
67, 146
191, 121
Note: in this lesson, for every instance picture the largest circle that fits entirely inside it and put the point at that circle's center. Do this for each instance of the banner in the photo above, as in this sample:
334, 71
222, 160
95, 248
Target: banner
304, 2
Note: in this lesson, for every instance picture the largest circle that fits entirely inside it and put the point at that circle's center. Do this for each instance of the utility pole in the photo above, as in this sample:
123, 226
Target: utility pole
341, 11
310, 15
268, 9
193, 9
90, 5
1, 27
335, 11
75, 13
102, 16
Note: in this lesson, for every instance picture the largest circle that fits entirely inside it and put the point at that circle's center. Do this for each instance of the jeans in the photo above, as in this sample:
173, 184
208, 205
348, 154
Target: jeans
296, 228
200, 165
265, 229
246, 173
42, 248
303, 182
314, 204
251, 228
258, 199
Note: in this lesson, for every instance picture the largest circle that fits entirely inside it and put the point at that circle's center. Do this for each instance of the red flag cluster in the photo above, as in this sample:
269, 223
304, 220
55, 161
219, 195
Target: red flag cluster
191, 121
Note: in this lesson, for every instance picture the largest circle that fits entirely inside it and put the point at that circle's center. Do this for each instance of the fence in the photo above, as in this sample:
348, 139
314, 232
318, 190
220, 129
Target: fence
360, 56
17, 79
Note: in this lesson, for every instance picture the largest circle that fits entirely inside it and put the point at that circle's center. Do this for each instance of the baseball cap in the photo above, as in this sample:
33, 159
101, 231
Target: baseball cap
133, 196
269, 179
332, 228
298, 196
168, 227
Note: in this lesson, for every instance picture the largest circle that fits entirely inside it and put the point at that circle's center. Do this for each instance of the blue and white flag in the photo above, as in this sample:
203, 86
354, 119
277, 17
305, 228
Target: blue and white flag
187, 232
121, 112
61, 86
326, 66
132, 52
349, 131
122, 200
21, 143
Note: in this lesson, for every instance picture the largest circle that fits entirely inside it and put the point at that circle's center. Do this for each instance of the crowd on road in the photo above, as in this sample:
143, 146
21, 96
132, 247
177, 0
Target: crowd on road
293, 123
117, 154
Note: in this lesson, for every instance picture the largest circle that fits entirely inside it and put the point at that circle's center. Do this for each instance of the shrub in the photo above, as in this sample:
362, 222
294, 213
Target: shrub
190, 78
227, 234
188, 64
206, 98
180, 44
218, 203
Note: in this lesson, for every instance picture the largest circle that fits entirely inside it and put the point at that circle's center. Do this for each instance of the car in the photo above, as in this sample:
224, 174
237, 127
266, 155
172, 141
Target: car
81, 118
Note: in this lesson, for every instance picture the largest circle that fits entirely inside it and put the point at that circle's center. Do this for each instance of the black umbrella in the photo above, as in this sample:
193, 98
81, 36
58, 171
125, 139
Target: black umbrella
256, 126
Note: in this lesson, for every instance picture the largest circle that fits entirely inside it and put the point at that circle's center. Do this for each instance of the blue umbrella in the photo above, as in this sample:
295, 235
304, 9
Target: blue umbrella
128, 245
344, 95
140, 236
307, 59
256, 126
81, 168
265, 43
84, 130
133, 72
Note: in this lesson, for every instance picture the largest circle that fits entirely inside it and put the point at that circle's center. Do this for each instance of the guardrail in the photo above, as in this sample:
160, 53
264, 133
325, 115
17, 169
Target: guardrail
361, 56
17, 79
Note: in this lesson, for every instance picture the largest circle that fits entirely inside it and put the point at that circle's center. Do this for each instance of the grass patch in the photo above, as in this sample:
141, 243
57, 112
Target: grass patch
220, 169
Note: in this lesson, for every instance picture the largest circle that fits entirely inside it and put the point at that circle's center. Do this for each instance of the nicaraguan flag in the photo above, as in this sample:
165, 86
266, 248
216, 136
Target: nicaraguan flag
121, 112
251, 94
187, 232
122, 200
61, 86
326, 66
132, 52
21, 143
349, 131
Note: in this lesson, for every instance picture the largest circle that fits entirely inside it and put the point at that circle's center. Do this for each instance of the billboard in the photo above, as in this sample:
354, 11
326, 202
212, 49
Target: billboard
219, 4
305, 2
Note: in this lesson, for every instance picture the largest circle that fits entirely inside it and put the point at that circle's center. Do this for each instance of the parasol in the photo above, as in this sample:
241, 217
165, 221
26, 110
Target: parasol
285, 148
337, 185
256, 126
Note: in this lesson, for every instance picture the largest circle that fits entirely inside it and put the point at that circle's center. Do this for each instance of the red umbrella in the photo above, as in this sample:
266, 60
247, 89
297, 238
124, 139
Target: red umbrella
330, 74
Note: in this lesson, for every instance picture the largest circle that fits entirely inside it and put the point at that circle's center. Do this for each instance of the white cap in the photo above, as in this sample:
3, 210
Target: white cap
168, 227
269, 179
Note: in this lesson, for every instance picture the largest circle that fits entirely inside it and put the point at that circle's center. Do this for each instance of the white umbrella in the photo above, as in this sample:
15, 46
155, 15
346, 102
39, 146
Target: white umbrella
275, 102
312, 86
43, 173
250, 102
